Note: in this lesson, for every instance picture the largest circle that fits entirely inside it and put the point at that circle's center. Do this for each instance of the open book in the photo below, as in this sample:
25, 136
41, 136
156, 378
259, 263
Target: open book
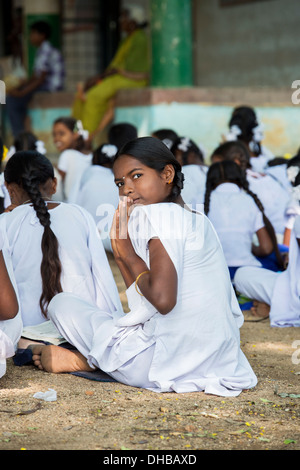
45, 331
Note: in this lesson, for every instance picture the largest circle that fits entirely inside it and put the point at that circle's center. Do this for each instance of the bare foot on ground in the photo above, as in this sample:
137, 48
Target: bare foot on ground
58, 360
260, 309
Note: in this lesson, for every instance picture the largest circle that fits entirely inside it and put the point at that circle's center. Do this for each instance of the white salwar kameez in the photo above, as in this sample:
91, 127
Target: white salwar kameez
273, 196
73, 163
99, 195
236, 218
85, 268
279, 290
196, 346
194, 185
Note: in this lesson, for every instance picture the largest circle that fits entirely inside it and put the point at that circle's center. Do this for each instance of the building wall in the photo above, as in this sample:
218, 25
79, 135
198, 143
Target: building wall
249, 44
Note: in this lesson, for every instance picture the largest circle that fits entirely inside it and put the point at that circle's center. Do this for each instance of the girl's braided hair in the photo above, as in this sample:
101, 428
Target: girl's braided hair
30, 170
153, 153
229, 171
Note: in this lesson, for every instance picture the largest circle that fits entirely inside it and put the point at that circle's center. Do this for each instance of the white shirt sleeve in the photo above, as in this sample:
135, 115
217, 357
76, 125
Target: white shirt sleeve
297, 227
63, 161
259, 221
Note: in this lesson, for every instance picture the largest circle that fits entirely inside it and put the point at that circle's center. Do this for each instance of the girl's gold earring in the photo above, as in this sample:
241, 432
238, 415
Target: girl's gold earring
169, 182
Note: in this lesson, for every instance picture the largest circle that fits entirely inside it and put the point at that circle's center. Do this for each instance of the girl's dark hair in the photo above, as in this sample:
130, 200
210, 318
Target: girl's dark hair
71, 124
189, 147
277, 161
245, 118
165, 135
295, 161
155, 154
121, 133
30, 170
228, 171
25, 141
234, 151
104, 155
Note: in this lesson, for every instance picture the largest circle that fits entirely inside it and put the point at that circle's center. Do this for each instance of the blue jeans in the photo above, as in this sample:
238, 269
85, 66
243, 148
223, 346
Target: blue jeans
16, 108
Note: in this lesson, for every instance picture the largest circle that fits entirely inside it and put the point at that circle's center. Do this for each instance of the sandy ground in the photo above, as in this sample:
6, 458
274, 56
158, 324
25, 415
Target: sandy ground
109, 416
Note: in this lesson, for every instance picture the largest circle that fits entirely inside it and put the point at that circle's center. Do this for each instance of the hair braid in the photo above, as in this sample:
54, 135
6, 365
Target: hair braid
268, 225
50, 265
177, 185
208, 191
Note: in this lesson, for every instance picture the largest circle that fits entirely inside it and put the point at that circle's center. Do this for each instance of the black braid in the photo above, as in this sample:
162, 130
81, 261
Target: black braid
177, 185
268, 224
1, 205
29, 170
50, 265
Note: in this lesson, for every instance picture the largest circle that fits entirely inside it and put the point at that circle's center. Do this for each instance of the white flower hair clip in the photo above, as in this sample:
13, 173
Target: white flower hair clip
167, 142
184, 144
40, 147
292, 173
109, 150
233, 133
84, 134
258, 132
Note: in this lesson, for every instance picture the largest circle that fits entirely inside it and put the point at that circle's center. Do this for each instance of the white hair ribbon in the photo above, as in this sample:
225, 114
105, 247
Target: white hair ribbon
167, 142
84, 134
258, 132
292, 173
184, 144
234, 131
109, 150
40, 147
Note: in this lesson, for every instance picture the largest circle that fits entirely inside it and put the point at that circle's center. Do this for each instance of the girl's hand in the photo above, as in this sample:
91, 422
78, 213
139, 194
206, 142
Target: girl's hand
120, 240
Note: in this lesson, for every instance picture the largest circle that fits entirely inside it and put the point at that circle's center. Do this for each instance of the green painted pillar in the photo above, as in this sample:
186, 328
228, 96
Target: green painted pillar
171, 38
41, 10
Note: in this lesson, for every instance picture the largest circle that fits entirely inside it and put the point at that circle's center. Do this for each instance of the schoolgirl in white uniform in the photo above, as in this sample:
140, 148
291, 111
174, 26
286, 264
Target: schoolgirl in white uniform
97, 192
70, 139
10, 321
237, 215
293, 207
280, 291
179, 335
273, 196
53, 247
191, 159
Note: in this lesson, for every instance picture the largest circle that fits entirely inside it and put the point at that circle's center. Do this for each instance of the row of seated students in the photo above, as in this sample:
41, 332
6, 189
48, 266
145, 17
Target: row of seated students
239, 222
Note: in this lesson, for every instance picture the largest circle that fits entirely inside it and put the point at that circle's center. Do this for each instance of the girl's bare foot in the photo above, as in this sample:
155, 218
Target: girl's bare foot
260, 309
58, 360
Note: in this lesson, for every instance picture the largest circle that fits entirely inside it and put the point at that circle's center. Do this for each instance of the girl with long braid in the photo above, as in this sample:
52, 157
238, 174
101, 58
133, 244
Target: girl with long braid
179, 335
270, 192
53, 246
238, 215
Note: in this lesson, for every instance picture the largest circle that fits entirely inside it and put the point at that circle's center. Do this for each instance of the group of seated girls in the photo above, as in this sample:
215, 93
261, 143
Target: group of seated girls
180, 231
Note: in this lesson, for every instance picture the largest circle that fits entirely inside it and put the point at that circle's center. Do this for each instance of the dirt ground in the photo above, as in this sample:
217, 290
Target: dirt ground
108, 416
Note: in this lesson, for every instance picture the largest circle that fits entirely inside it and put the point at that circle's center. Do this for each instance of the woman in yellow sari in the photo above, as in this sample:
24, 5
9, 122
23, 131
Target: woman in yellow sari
129, 68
